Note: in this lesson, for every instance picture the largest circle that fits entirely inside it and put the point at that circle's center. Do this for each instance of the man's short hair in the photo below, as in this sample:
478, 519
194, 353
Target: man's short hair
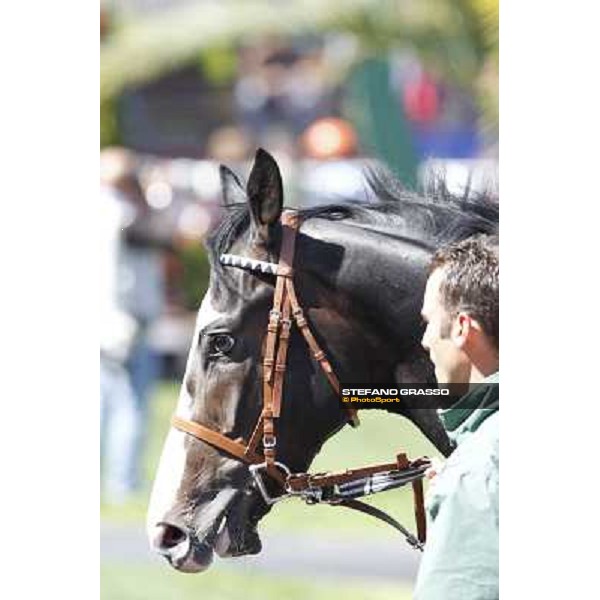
471, 270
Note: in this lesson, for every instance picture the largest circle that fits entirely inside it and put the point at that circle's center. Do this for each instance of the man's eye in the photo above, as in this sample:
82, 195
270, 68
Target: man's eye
221, 344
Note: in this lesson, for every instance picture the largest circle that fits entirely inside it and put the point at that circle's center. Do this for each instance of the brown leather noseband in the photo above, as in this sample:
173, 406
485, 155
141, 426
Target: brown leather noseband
285, 311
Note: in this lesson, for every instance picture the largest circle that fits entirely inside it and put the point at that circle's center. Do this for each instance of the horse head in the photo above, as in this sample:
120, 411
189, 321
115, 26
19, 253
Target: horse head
362, 309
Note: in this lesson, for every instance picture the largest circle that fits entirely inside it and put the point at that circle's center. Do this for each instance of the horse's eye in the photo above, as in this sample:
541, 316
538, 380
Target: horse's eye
221, 344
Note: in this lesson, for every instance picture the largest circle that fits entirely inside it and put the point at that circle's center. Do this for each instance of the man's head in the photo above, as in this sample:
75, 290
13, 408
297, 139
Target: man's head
461, 310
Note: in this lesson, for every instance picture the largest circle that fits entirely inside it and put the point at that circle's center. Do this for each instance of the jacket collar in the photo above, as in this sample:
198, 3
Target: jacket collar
465, 417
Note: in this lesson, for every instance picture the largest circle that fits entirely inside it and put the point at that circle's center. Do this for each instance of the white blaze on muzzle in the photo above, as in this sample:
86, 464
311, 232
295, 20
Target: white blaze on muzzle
171, 467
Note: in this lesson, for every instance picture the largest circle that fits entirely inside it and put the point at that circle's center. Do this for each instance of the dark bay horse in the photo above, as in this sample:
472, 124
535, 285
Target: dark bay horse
360, 271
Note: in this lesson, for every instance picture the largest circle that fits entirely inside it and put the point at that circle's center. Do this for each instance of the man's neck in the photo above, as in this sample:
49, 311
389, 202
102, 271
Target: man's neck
482, 370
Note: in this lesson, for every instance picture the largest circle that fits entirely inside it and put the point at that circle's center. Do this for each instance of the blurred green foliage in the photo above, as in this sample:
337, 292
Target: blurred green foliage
456, 38
219, 64
195, 275
109, 126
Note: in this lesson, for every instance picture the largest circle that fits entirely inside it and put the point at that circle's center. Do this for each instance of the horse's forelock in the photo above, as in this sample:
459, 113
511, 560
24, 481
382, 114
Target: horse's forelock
228, 231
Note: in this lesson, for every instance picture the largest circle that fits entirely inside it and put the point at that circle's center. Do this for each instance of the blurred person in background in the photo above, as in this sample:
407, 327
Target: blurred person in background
282, 85
134, 288
117, 333
461, 309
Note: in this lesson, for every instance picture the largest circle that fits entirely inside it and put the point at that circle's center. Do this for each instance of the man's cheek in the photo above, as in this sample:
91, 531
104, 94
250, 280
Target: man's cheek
439, 352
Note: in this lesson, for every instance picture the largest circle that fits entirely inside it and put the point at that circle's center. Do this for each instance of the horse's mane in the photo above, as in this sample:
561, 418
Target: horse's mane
436, 214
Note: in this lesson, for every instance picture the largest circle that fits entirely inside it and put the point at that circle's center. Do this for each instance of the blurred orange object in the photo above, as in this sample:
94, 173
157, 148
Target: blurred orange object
329, 138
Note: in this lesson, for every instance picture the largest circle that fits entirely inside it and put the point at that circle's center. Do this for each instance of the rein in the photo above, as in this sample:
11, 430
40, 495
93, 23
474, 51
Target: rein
339, 489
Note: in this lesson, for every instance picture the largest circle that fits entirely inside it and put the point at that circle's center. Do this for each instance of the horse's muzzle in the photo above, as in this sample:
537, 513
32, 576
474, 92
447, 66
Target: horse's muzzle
183, 552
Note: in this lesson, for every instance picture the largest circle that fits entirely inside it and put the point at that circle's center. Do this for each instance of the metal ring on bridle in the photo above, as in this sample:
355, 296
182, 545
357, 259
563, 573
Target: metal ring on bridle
260, 484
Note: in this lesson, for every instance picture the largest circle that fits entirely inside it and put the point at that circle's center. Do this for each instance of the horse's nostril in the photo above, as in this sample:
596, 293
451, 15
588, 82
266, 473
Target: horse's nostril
168, 537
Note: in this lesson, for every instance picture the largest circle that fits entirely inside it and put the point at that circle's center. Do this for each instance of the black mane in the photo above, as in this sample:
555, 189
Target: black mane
436, 215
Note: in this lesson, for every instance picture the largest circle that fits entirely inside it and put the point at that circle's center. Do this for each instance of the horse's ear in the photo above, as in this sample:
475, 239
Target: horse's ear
265, 193
231, 186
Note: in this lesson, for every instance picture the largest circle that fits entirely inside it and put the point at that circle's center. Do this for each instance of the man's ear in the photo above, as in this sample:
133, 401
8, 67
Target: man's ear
265, 193
231, 187
461, 328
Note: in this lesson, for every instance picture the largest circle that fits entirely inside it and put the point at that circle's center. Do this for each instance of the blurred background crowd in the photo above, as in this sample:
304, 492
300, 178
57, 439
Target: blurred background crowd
326, 87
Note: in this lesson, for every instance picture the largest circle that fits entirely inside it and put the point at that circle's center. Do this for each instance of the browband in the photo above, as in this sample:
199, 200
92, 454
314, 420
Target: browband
251, 264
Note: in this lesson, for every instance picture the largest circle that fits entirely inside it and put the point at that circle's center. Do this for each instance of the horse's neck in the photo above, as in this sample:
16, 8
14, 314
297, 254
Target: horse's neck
382, 278
383, 274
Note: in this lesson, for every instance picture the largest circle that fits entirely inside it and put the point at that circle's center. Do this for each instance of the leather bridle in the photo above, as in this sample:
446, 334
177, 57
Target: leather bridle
335, 488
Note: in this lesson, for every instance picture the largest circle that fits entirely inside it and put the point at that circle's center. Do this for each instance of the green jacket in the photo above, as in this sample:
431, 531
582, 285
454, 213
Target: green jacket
460, 561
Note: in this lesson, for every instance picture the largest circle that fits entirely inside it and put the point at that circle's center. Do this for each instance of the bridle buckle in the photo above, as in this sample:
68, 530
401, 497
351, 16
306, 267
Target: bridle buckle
270, 443
260, 484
